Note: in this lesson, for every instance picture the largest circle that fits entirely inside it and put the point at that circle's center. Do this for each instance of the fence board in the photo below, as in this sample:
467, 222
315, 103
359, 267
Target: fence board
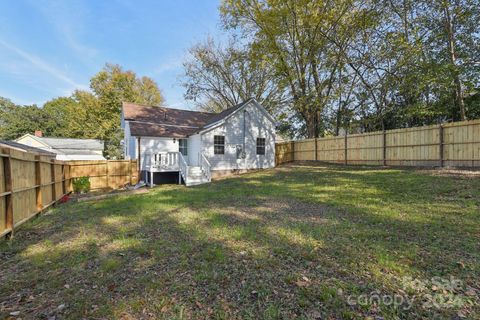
29, 182
105, 175
452, 144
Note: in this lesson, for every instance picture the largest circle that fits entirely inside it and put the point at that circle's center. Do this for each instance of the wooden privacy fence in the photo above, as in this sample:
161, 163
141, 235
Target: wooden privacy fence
454, 144
29, 183
111, 174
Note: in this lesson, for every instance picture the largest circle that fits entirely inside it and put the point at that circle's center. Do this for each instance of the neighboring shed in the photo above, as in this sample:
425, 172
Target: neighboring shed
66, 148
25, 148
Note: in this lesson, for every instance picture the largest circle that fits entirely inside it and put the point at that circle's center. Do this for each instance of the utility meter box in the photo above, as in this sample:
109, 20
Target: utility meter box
240, 152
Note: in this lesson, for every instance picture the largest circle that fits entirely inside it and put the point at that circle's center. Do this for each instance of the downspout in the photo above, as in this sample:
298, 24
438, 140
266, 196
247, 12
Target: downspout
139, 159
244, 125
244, 138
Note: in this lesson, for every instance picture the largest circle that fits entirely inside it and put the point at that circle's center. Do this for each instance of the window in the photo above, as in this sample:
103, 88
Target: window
261, 146
219, 144
183, 146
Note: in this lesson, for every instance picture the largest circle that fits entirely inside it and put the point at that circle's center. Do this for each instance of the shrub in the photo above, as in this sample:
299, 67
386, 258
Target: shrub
81, 185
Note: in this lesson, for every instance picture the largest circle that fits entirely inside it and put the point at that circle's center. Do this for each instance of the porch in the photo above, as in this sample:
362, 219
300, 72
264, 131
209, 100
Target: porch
163, 162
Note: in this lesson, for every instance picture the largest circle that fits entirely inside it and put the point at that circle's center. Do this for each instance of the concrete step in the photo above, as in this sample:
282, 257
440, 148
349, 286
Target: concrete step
195, 182
195, 176
195, 173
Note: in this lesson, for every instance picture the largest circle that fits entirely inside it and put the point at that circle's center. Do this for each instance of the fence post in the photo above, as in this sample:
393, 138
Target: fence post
63, 180
54, 191
384, 147
106, 171
293, 151
441, 144
130, 171
38, 182
346, 149
7, 173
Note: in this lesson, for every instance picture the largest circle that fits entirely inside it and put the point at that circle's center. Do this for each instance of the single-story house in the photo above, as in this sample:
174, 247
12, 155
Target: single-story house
65, 148
25, 148
196, 145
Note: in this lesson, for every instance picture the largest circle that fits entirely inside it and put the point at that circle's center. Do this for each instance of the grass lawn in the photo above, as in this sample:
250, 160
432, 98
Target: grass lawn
300, 241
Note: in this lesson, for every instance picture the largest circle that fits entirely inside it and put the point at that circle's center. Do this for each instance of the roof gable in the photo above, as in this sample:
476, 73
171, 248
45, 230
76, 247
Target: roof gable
26, 148
231, 111
31, 136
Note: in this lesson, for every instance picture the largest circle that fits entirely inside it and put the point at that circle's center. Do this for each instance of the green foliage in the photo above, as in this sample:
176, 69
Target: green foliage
81, 184
18, 120
84, 114
365, 65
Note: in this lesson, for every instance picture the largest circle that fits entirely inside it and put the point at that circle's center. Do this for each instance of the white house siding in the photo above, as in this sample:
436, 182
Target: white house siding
257, 125
152, 145
194, 147
130, 143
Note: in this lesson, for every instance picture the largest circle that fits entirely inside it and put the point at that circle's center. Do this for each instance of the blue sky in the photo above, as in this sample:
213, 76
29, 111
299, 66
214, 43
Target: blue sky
50, 48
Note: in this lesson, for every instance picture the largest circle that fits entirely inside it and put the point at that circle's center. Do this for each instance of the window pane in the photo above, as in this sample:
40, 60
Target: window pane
218, 144
183, 146
261, 146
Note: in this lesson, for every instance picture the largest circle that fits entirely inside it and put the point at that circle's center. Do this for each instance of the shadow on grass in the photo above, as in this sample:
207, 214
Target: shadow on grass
284, 243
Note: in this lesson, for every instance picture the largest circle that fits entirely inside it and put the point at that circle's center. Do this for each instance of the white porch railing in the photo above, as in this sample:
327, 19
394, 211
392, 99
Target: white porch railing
175, 161
183, 167
206, 167
164, 161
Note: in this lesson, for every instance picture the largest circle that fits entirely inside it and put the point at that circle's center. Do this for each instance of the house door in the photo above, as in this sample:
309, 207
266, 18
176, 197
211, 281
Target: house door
183, 147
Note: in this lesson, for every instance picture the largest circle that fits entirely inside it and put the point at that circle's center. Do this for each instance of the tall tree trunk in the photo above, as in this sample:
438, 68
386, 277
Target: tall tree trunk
453, 60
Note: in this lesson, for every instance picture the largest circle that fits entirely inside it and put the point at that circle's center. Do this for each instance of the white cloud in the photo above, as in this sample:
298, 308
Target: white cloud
42, 65
168, 65
67, 17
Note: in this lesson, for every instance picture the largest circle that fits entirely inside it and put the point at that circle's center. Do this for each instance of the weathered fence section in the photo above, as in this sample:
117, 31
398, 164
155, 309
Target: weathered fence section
106, 174
284, 152
453, 144
29, 183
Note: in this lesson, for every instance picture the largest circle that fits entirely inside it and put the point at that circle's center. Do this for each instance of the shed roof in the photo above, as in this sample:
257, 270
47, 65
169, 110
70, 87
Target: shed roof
25, 148
72, 144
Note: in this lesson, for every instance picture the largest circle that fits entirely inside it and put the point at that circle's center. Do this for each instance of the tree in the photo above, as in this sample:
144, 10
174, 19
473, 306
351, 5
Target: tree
16, 121
370, 64
84, 114
292, 36
218, 77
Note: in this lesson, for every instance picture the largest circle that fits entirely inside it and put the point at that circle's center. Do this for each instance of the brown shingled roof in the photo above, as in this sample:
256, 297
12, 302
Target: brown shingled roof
168, 122
162, 115
144, 129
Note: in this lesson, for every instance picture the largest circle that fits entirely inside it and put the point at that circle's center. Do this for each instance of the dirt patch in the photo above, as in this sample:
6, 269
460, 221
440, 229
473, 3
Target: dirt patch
272, 209
449, 172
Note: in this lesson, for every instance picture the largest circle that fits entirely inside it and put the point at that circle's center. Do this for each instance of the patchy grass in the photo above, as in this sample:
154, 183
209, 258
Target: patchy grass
299, 241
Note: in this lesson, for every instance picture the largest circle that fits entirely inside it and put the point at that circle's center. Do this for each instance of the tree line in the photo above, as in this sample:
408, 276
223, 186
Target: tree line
84, 114
357, 65
319, 67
